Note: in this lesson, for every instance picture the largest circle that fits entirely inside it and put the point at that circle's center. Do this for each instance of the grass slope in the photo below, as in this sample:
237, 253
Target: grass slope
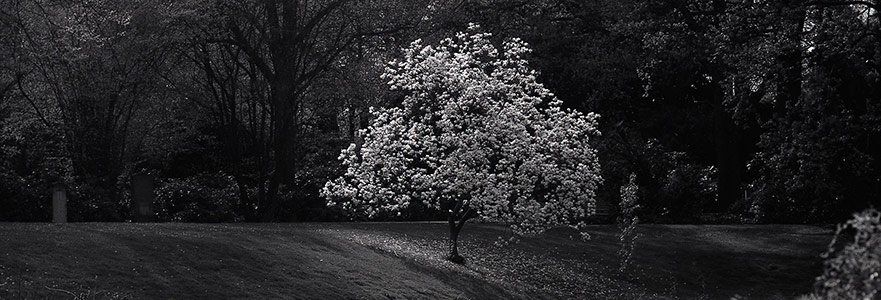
399, 261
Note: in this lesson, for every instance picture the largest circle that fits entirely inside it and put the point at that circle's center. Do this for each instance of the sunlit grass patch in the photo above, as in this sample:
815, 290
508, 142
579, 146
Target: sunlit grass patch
512, 267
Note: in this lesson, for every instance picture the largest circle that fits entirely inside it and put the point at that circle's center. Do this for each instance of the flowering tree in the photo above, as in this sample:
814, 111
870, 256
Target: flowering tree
476, 135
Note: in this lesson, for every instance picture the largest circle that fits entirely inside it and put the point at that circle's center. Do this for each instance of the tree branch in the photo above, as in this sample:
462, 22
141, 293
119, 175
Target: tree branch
33, 104
242, 42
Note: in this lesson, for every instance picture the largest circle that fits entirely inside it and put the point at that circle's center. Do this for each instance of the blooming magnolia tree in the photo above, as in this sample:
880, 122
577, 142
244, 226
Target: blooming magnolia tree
476, 135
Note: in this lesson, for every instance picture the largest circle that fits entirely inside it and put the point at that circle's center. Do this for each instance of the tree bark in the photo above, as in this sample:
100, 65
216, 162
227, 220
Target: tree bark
454, 242
457, 220
730, 157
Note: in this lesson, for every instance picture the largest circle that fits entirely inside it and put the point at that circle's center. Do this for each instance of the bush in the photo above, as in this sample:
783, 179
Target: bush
24, 199
97, 200
853, 261
674, 187
200, 198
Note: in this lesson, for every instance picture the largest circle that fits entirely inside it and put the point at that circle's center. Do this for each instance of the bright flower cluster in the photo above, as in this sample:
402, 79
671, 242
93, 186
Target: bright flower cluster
475, 128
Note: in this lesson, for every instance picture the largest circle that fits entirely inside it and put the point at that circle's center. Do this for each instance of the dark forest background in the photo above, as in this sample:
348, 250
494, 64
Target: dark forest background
727, 111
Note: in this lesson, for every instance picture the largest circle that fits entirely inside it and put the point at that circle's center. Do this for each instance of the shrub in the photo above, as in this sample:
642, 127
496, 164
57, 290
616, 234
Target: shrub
24, 199
853, 261
96, 201
681, 189
200, 198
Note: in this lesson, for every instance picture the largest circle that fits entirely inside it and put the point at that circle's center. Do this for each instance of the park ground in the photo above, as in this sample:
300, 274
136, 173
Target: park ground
401, 261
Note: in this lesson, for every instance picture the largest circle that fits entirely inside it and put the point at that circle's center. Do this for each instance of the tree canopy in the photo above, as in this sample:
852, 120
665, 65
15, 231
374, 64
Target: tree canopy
477, 135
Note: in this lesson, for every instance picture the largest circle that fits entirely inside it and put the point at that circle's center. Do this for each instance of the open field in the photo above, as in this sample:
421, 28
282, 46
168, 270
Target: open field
400, 261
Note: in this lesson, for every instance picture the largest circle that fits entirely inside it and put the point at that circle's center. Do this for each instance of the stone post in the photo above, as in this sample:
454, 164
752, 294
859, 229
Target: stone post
59, 203
142, 198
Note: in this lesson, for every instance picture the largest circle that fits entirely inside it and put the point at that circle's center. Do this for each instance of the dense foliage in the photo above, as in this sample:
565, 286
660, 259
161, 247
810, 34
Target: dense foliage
203, 198
727, 111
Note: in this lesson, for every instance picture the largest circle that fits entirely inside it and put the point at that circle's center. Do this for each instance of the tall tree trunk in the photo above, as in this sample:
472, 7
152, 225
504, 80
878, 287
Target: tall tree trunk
283, 30
282, 117
730, 156
294, 33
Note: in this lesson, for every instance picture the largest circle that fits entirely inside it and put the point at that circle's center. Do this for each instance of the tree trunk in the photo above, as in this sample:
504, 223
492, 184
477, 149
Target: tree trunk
730, 157
283, 102
454, 240
460, 213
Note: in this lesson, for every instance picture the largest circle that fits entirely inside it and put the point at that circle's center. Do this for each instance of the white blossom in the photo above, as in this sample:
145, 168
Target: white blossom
475, 128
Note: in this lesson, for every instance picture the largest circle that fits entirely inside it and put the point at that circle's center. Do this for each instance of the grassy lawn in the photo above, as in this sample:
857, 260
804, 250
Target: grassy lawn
400, 261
